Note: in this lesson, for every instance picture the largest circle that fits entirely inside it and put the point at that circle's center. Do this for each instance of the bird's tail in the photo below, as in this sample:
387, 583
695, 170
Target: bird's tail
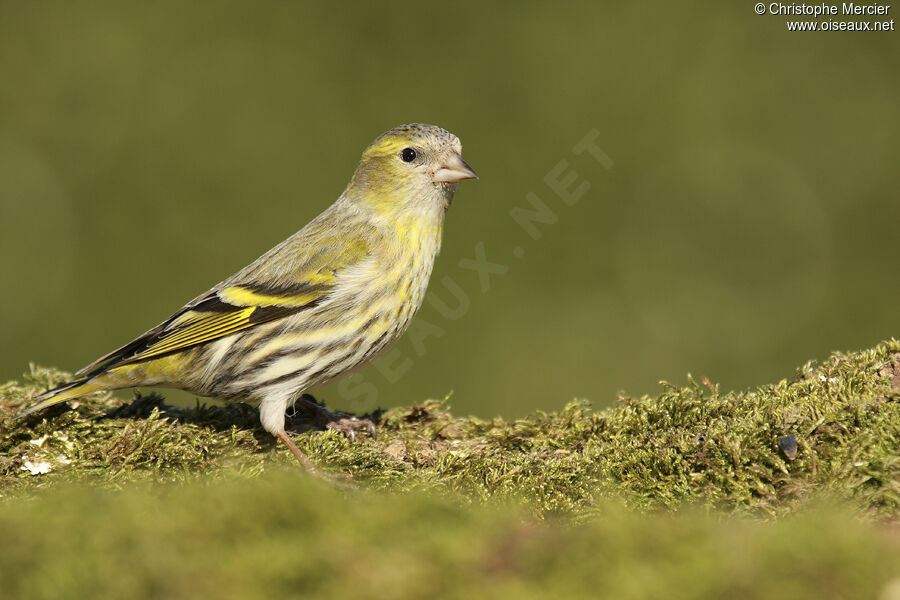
67, 391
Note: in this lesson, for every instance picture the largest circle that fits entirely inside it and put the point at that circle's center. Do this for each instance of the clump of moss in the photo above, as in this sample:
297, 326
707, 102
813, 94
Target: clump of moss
834, 429
286, 535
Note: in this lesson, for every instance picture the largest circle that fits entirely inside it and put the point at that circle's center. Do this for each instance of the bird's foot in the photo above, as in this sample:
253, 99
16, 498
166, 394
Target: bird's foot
345, 424
341, 480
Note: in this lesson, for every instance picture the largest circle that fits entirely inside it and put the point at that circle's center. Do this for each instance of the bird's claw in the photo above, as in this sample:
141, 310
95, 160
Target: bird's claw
350, 425
347, 425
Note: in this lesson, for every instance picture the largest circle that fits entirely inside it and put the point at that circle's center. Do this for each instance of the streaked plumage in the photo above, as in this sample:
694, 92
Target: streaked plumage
325, 301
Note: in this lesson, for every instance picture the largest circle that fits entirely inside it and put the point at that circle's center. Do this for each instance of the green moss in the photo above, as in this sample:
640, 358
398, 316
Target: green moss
689, 444
288, 535
672, 496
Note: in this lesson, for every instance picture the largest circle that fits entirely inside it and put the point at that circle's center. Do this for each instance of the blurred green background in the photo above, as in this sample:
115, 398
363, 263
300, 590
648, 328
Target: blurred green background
749, 220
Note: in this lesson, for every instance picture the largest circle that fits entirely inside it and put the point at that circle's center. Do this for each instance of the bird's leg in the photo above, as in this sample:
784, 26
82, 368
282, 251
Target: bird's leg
346, 424
297, 452
339, 479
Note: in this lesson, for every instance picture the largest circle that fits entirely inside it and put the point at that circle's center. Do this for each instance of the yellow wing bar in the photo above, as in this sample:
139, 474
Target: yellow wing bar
231, 309
200, 327
242, 296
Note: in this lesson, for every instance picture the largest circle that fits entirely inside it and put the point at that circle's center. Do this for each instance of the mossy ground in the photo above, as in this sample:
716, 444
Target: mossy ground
782, 491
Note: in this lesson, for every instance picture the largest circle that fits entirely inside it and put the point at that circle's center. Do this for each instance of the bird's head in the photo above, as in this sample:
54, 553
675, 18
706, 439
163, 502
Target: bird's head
408, 166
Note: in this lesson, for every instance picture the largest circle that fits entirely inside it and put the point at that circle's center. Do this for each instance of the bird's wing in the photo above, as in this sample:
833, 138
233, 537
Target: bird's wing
294, 276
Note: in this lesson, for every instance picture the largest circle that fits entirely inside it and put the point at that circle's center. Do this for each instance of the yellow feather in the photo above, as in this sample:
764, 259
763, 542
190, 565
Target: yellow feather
199, 331
241, 296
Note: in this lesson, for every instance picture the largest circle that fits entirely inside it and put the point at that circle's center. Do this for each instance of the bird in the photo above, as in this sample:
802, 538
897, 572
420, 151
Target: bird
322, 303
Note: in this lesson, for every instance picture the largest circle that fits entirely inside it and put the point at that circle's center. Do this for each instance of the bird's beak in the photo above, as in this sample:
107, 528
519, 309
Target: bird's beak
453, 169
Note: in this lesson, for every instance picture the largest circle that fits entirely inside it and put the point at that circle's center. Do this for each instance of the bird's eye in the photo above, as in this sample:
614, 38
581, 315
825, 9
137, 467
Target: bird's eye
408, 155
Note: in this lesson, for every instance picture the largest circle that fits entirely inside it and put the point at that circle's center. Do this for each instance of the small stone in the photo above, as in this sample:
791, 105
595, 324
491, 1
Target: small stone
892, 370
397, 449
39, 442
37, 467
788, 445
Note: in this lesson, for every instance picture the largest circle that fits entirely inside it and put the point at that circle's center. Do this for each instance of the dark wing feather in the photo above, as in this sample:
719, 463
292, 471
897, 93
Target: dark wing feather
199, 322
